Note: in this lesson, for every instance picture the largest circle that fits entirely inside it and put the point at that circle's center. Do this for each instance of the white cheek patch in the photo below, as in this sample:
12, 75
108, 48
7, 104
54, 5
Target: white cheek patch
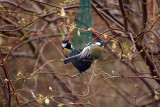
64, 45
98, 43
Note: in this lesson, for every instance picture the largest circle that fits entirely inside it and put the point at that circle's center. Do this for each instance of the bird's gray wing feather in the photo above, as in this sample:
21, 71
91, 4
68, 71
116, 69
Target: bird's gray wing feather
71, 59
85, 53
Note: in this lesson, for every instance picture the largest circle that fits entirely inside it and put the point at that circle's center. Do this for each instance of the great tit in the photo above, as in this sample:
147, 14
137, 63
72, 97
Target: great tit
81, 65
89, 53
67, 48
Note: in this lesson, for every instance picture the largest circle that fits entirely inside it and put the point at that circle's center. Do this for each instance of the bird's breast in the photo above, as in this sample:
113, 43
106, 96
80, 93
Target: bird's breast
96, 51
67, 52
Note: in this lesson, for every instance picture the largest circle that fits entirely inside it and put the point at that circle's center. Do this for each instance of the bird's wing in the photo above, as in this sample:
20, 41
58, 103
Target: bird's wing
72, 58
85, 53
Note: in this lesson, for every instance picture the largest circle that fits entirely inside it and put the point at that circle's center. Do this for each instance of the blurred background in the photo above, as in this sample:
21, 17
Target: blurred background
32, 70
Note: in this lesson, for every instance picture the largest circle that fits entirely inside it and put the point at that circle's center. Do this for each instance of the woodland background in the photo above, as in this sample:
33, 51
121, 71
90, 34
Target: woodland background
32, 72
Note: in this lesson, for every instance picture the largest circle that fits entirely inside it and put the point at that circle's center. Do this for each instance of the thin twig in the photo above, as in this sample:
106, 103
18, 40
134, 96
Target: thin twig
124, 15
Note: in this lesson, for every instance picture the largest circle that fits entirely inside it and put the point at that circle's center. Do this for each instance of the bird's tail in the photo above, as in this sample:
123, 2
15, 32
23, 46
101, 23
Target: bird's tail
71, 59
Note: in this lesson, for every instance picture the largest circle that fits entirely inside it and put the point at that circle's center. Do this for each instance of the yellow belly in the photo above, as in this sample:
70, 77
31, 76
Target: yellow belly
96, 51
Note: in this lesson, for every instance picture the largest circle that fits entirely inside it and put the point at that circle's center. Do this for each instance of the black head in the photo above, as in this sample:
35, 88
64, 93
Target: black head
66, 44
65, 41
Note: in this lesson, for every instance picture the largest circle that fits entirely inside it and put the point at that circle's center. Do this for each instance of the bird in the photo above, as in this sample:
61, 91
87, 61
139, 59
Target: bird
89, 53
67, 48
81, 65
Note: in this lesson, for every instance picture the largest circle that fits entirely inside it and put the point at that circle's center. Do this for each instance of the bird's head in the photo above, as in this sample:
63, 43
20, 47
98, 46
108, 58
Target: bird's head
100, 43
66, 44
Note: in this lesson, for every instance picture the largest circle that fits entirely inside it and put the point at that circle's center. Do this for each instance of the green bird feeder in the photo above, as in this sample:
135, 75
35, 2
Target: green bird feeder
82, 38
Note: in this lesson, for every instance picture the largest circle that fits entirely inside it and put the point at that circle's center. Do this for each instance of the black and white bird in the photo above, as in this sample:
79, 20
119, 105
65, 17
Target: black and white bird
91, 52
67, 48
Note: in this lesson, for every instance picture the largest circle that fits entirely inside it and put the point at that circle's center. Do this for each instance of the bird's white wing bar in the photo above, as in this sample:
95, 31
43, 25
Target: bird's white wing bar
85, 53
